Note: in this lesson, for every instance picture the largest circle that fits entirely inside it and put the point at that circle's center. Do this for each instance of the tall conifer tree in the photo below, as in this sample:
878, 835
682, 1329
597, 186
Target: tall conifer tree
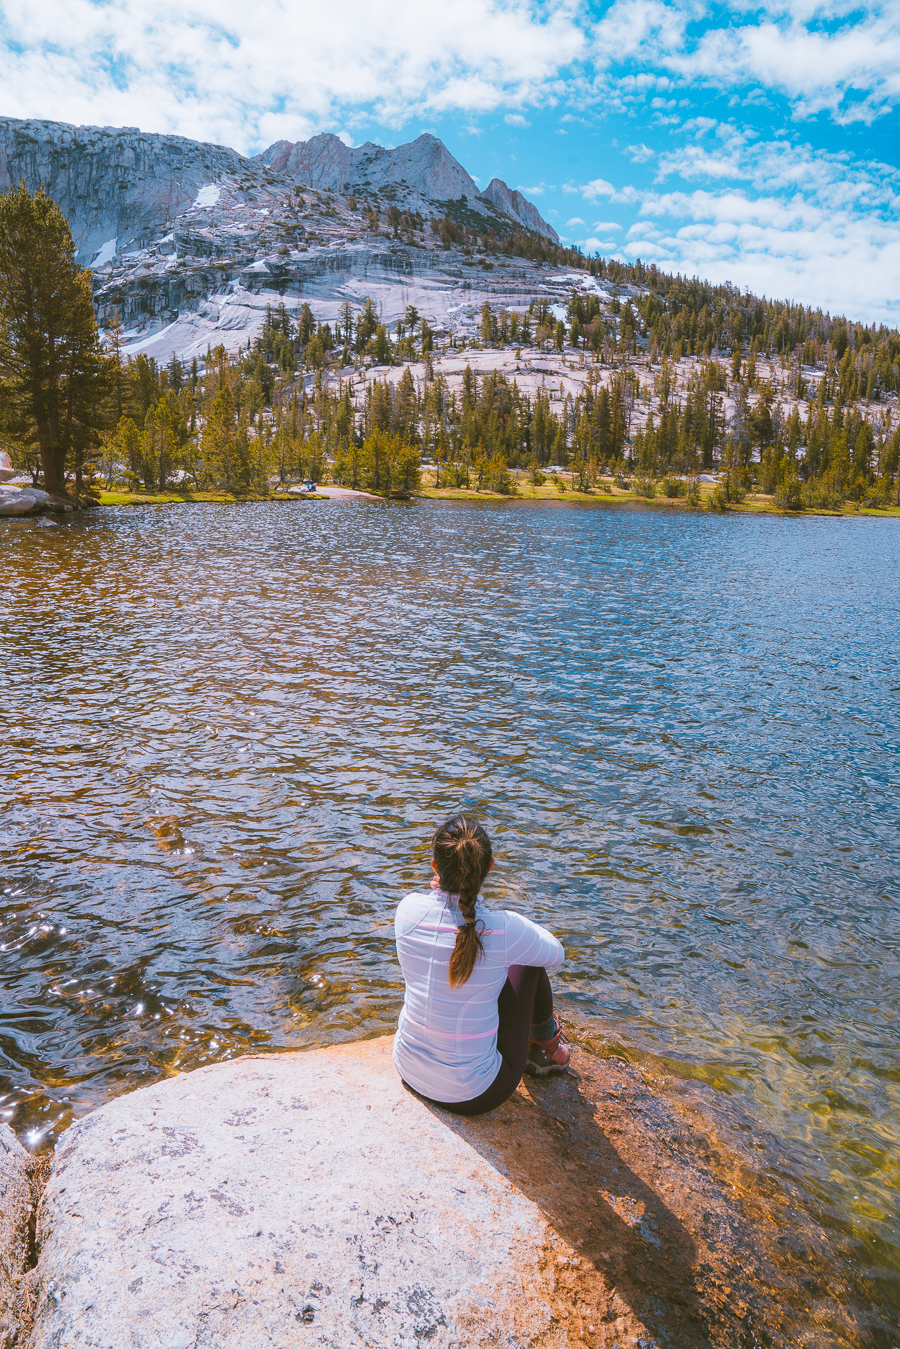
53, 373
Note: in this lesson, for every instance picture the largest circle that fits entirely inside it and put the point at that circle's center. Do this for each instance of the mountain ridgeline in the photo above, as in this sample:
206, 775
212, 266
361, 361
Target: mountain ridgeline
424, 167
120, 187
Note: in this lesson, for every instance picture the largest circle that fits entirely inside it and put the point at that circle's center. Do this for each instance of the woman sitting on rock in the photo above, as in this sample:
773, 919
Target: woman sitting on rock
478, 1010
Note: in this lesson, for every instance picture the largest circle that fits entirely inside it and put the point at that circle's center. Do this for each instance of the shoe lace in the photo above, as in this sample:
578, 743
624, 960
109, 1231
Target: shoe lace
548, 1046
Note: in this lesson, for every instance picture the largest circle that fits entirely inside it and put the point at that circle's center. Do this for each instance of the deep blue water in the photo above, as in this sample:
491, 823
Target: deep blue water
228, 731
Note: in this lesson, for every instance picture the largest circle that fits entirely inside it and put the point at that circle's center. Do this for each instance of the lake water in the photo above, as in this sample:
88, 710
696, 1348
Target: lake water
227, 731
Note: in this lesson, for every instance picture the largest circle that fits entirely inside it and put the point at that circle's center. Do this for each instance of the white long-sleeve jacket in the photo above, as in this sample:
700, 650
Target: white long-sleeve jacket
446, 1041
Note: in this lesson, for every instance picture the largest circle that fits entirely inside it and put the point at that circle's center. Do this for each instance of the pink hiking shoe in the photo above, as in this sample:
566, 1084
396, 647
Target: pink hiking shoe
548, 1056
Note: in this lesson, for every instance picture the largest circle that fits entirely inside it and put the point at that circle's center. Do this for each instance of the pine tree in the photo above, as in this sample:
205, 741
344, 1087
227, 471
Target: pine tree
346, 322
366, 324
242, 466
306, 324
381, 346
115, 340
53, 374
126, 446
217, 441
160, 445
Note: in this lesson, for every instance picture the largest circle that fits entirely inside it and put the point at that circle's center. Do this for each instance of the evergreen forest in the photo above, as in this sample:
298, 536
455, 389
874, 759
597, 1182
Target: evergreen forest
676, 376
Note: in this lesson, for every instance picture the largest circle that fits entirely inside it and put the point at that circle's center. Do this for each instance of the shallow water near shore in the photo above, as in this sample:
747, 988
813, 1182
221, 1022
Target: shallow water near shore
227, 731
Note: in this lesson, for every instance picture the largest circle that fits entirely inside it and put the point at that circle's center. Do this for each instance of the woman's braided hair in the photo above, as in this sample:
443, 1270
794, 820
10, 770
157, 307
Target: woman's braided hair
462, 855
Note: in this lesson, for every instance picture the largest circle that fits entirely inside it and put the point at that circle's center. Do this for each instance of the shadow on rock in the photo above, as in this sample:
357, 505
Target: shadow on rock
637, 1271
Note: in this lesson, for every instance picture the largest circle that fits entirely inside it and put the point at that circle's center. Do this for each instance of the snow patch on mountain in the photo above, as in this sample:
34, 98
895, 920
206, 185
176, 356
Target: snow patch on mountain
207, 196
106, 254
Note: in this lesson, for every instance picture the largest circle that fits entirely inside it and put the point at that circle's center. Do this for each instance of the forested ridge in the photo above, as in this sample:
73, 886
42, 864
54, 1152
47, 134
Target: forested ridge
674, 376
808, 419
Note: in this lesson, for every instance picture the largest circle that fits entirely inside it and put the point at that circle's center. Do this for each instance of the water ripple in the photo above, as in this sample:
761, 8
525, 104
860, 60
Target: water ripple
226, 734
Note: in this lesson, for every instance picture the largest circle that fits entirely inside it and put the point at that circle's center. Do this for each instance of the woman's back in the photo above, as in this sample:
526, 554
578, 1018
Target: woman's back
446, 1041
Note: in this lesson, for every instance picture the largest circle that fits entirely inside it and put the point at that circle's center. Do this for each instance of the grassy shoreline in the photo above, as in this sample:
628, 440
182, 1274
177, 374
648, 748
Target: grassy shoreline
174, 498
756, 504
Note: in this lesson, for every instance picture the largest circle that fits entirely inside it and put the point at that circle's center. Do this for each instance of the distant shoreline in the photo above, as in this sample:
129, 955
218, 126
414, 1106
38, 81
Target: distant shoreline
754, 505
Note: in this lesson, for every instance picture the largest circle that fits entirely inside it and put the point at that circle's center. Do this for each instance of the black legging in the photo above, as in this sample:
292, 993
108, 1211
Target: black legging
525, 999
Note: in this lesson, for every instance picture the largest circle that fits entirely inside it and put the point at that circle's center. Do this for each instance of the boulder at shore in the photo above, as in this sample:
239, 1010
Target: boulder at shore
308, 1200
19, 503
15, 1212
303, 1199
30, 500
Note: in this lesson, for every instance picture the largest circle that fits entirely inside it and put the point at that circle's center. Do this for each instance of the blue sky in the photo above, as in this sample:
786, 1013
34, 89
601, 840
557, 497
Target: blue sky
750, 143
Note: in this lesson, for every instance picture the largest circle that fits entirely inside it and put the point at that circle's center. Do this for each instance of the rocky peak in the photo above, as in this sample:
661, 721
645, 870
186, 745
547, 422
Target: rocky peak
189, 242
321, 163
424, 167
118, 186
512, 203
122, 188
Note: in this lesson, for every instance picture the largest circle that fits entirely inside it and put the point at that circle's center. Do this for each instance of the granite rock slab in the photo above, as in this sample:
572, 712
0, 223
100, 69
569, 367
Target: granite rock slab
15, 1212
304, 1199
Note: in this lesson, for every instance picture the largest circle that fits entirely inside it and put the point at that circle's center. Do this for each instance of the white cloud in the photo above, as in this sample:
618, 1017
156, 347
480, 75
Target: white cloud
814, 227
851, 68
789, 250
696, 162
247, 75
829, 179
576, 220
820, 70
700, 124
599, 188
631, 26
772, 213
596, 245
